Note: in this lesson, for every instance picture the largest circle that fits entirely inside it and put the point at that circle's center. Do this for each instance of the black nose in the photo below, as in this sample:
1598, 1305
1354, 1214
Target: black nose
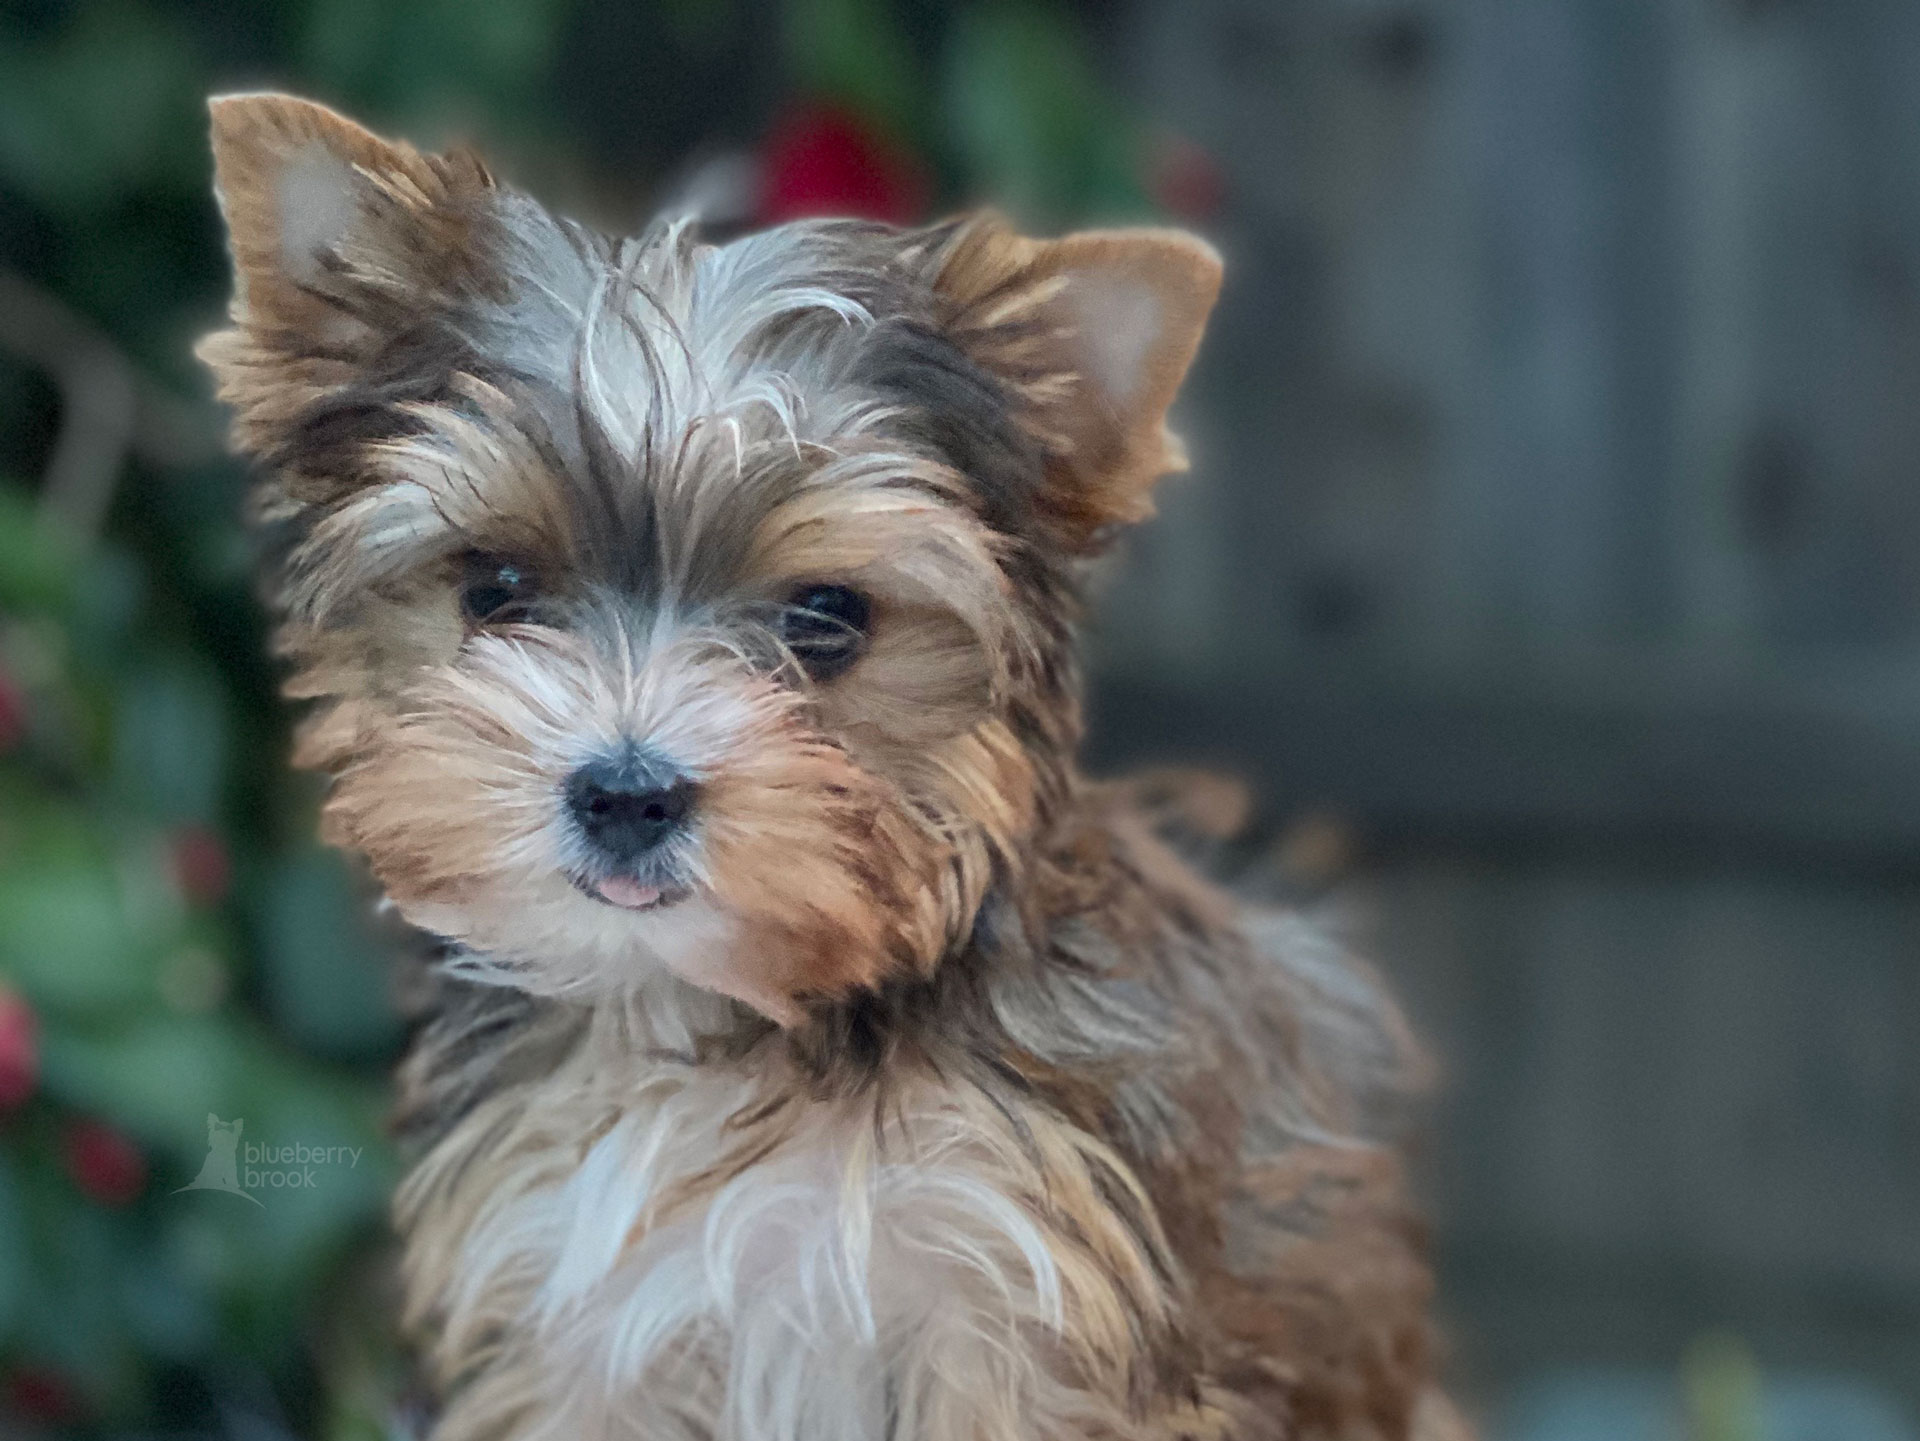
627, 806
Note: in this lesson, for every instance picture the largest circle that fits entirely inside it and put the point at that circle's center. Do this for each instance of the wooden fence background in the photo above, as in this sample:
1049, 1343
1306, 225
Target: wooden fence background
1556, 526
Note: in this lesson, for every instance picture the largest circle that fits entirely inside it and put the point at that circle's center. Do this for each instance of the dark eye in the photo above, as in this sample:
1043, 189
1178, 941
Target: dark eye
825, 626
493, 590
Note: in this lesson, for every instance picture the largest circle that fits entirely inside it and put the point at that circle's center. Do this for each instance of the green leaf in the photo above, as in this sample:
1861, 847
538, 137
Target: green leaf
77, 1249
326, 982
854, 51
432, 55
105, 106
1032, 125
168, 1311
157, 1077
65, 936
37, 564
170, 741
106, 606
15, 1269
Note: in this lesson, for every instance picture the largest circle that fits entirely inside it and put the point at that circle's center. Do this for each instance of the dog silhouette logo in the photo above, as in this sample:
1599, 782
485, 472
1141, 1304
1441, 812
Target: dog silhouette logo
221, 1170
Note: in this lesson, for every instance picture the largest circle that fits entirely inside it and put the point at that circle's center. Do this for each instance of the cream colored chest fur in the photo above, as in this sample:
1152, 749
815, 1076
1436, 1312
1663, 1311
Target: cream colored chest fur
646, 1248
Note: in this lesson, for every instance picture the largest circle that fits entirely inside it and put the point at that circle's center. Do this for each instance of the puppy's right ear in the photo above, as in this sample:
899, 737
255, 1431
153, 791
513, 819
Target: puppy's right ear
313, 202
341, 243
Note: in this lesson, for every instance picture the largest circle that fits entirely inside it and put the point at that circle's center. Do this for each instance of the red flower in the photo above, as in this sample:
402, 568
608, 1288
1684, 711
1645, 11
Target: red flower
200, 865
13, 713
1186, 181
104, 1164
19, 1050
824, 160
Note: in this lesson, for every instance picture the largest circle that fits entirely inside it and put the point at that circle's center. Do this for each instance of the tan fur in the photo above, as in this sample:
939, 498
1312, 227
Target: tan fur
933, 1097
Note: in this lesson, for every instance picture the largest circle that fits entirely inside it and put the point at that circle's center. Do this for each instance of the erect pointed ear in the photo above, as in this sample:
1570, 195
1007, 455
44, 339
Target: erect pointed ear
309, 196
1092, 334
343, 244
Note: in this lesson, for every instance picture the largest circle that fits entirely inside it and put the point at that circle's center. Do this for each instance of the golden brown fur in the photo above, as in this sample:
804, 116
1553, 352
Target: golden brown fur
909, 1085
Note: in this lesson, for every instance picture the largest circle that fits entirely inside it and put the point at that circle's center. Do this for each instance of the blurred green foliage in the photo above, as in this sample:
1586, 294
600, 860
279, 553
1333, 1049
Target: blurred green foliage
173, 944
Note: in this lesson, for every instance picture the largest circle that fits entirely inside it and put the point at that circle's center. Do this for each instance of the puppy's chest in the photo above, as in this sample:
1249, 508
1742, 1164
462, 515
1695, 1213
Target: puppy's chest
660, 1242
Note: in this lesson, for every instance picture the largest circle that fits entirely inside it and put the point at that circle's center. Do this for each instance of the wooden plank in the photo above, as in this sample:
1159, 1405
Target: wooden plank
1768, 777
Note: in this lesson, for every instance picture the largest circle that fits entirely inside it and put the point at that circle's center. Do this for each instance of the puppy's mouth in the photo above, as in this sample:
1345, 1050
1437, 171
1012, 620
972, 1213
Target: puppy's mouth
630, 894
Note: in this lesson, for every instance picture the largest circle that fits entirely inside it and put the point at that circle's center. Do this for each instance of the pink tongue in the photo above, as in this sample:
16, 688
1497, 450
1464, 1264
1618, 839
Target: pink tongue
629, 893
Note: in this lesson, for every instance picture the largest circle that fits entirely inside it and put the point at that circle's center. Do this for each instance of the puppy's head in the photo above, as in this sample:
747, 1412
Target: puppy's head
665, 604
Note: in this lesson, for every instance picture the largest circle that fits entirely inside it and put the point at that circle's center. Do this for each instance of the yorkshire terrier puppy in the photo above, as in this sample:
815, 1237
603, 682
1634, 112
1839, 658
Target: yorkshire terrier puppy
812, 1053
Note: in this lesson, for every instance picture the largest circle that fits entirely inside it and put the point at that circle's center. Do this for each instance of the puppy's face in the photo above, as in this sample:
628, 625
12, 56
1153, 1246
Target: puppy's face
667, 604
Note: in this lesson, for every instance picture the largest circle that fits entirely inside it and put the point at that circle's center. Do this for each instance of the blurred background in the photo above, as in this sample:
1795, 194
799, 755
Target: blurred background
1551, 567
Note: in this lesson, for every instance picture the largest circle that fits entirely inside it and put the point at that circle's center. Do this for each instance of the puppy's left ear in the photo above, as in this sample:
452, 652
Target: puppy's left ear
1092, 336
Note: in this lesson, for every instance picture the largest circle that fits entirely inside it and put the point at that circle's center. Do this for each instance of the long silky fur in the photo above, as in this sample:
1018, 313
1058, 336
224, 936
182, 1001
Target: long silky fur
950, 1105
